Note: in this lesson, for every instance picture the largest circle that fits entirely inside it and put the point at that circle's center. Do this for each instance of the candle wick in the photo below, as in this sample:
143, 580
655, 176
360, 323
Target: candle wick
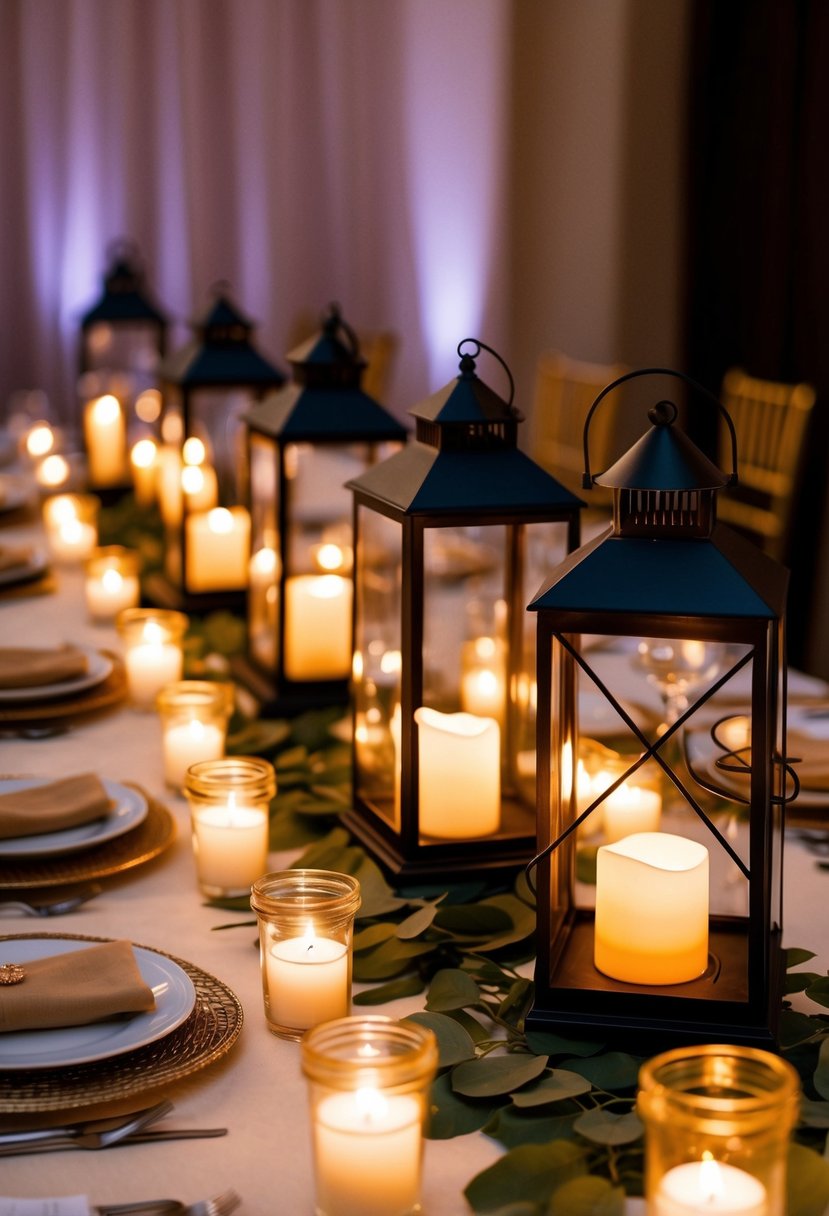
309, 947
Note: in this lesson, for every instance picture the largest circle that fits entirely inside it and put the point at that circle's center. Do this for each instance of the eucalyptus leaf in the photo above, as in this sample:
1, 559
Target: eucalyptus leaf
330, 795
546, 1043
522, 918
514, 1006
820, 1079
376, 896
293, 757
259, 738
471, 1025
814, 1114
452, 988
511, 1126
586, 857
588, 1196
554, 1086
373, 935
485, 971
473, 920
819, 991
795, 955
491, 1075
313, 728
451, 1115
454, 1042
457, 893
409, 985
388, 959
290, 831
418, 922
797, 1028
603, 1127
797, 981
807, 1184
529, 1173
613, 1070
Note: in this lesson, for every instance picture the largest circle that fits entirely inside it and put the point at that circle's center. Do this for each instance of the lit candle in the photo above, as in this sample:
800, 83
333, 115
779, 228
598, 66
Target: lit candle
105, 434
317, 627
708, 1186
168, 485
308, 980
144, 463
367, 1149
109, 591
71, 526
40, 440
629, 809
153, 659
217, 548
459, 774
185, 743
53, 471
651, 922
230, 844
200, 486
483, 678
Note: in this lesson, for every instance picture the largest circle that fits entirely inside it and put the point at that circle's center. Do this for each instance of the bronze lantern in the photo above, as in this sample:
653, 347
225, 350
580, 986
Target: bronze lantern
451, 535
207, 387
304, 442
659, 865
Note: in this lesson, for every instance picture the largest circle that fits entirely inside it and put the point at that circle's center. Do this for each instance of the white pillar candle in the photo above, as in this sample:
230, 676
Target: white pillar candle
483, 678
186, 743
168, 485
217, 549
459, 774
200, 486
317, 627
652, 909
230, 844
152, 662
144, 464
105, 435
108, 591
71, 539
698, 1188
308, 981
628, 810
367, 1149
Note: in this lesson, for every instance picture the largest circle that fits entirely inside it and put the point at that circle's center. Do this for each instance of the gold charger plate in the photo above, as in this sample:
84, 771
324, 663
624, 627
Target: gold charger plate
144, 842
202, 1038
92, 700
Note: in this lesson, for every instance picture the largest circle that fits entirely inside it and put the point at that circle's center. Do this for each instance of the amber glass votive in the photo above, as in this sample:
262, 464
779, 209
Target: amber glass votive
229, 814
153, 657
717, 1125
306, 922
369, 1080
71, 523
111, 582
194, 716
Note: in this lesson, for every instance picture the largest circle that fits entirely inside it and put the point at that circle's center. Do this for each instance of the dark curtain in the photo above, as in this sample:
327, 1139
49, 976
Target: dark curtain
758, 235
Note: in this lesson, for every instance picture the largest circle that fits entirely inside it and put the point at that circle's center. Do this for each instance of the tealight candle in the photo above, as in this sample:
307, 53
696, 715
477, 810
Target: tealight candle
369, 1080
306, 920
651, 923
217, 545
317, 627
71, 526
194, 715
229, 804
153, 656
710, 1186
105, 435
111, 582
459, 774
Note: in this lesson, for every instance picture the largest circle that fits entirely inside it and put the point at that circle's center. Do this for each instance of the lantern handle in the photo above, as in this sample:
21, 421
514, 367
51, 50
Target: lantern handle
334, 319
587, 477
483, 346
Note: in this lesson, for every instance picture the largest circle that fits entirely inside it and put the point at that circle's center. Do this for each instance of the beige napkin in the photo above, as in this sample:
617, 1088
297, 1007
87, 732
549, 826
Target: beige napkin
30, 666
66, 803
74, 989
15, 557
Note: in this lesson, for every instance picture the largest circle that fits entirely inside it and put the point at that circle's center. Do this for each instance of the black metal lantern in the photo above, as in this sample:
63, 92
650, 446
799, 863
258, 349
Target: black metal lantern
304, 443
451, 535
208, 386
659, 867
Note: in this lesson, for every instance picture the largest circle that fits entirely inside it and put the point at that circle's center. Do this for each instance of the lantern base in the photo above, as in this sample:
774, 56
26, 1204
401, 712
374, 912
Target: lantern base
157, 590
288, 697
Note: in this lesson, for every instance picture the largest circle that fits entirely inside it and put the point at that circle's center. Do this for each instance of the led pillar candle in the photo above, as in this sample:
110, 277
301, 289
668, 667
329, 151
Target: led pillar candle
317, 627
710, 1186
229, 812
217, 549
153, 655
105, 436
459, 774
144, 465
111, 582
651, 923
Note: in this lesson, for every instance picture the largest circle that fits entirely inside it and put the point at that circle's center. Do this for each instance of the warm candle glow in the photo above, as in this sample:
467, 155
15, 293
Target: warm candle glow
148, 405
53, 471
698, 1188
459, 774
108, 590
230, 843
317, 627
40, 440
308, 980
153, 658
105, 434
630, 808
217, 547
193, 451
143, 459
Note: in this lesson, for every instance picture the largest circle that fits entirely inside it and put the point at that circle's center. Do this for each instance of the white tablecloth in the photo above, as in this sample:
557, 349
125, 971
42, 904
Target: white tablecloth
257, 1091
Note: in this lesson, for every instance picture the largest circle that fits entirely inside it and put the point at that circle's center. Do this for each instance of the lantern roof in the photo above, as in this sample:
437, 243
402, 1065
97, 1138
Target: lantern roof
664, 458
125, 297
722, 575
221, 353
334, 346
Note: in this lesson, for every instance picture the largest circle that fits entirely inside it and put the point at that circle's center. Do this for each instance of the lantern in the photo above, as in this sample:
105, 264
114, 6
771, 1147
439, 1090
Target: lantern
666, 928
451, 535
305, 441
207, 386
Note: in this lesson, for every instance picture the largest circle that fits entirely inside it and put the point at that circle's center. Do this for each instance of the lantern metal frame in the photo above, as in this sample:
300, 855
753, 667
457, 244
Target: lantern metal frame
124, 302
665, 569
462, 469
325, 407
221, 356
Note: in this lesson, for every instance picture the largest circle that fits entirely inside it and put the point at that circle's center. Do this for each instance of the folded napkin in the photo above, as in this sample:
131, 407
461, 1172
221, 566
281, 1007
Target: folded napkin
74, 989
15, 557
30, 666
66, 803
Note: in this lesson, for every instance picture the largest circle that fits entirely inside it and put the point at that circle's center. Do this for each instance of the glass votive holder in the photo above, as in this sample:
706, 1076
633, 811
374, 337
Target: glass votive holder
369, 1080
194, 716
111, 582
71, 524
153, 656
229, 814
306, 922
717, 1125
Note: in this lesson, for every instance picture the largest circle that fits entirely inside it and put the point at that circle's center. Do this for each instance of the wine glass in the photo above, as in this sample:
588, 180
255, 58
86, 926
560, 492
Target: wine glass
678, 667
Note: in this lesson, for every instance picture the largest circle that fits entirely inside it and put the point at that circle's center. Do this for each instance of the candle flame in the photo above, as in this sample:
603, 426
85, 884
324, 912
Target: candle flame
53, 471
40, 439
143, 454
391, 662
220, 520
264, 561
62, 508
71, 530
330, 557
106, 409
711, 1185
192, 479
371, 1104
111, 580
193, 451
153, 633
327, 586
485, 648
148, 405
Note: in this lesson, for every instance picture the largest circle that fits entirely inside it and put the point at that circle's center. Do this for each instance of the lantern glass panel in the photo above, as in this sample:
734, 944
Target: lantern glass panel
377, 664
263, 589
128, 346
318, 506
215, 417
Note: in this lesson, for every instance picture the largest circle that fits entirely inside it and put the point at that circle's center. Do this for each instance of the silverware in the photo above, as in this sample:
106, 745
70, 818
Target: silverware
55, 1145
96, 1134
219, 1205
54, 906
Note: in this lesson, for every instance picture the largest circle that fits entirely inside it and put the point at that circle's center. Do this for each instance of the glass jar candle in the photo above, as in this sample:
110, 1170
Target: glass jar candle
111, 582
194, 716
71, 523
717, 1126
153, 656
369, 1080
229, 814
306, 921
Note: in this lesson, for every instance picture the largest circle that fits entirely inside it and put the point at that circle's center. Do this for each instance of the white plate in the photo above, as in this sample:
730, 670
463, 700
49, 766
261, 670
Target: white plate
704, 754
35, 564
175, 997
130, 809
98, 668
14, 491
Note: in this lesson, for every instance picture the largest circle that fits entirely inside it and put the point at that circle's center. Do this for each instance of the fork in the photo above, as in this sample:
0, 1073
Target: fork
219, 1205
56, 907
17, 1143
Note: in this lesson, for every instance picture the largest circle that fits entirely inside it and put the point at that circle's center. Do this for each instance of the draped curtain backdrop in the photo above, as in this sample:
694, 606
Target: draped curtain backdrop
302, 150
758, 267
